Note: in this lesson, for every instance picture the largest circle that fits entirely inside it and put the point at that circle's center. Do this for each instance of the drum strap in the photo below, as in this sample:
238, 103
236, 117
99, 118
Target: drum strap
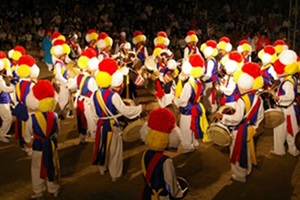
139, 49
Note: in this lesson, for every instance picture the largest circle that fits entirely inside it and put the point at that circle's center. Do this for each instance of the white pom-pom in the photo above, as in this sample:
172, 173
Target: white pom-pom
231, 66
34, 71
208, 51
172, 64
1, 65
10, 52
117, 79
93, 64
101, 44
245, 81
287, 57
32, 102
266, 58
186, 67
58, 50
167, 42
228, 47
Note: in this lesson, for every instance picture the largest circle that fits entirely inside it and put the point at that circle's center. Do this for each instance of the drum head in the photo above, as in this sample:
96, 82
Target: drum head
131, 132
273, 118
219, 135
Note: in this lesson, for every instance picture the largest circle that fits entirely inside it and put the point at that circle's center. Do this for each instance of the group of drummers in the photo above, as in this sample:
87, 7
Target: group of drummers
217, 93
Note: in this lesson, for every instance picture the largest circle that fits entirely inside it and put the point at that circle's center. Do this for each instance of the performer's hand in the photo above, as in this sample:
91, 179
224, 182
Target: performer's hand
276, 98
218, 115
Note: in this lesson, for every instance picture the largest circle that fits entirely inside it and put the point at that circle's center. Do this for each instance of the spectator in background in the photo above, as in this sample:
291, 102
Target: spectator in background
46, 46
262, 41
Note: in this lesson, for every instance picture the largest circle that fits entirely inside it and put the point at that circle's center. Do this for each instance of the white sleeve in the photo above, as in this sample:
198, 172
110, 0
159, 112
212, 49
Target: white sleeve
145, 52
170, 179
237, 117
128, 111
185, 95
28, 130
289, 95
58, 76
186, 53
92, 85
273, 73
210, 67
5, 88
228, 90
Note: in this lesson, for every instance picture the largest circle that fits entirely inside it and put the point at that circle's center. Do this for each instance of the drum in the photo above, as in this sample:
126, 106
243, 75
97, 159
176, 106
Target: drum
273, 115
73, 70
131, 132
184, 185
218, 132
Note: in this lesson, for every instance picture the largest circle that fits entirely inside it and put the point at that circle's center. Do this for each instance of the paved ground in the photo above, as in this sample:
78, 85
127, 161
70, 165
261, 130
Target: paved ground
207, 170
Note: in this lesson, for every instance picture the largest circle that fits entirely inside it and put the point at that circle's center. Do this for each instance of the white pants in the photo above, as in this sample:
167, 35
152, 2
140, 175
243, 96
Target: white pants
5, 115
281, 134
90, 118
235, 167
115, 155
188, 138
63, 97
38, 184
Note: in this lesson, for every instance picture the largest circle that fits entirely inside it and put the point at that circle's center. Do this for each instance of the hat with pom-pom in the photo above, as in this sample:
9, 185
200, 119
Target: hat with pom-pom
197, 63
57, 36
286, 64
209, 48
233, 61
244, 46
104, 41
59, 48
280, 46
117, 79
161, 38
224, 44
172, 64
88, 60
16, 52
91, 35
161, 121
158, 49
4, 62
191, 37
138, 37
249, 76
267, 54
41, 96
26, 64
107, 67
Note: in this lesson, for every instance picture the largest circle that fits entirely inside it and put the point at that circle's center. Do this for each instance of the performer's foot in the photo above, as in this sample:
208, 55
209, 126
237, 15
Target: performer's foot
238, 179
188, 150
114, 179
37, 195
3, 139
276, 154
102, 170
293, 153
55, 194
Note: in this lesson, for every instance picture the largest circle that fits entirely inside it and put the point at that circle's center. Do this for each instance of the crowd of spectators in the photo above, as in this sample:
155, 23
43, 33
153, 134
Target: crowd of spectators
25, 22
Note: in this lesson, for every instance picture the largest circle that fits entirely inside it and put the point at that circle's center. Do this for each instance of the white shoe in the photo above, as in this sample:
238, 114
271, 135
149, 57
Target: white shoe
188, 150
102, 170
294, 153
239, 179
4, 139
37, 195
7, 136
114, 179
55, 194
277, 154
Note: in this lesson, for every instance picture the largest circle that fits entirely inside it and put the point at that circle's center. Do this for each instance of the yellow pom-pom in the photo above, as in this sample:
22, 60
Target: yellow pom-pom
237, 75
215, 52
93, 36
138, 38
291, 68
6, 63
157, 51
108, 41
197, 72
47, 104
260, 53
274, 58
61, 37
246, 47
193, 38
222, 45
23, 71
103, 79
83, 62
203, 46
66, 48
16, 55
258, 83
160, 40
157, 140
279, 49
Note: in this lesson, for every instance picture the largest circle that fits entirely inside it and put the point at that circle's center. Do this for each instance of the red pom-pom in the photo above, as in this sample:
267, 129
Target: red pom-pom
161, 119
253, 69
91, 31
236, 56
279, 42
191, 32
59, 42
43, 89
243, 42
26, 60
2, 55
102, 36
162, 34
55, 35
211, 43
224, 39
269, 49
108, 65
20, 49
196, 60
136, 33
89, 52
